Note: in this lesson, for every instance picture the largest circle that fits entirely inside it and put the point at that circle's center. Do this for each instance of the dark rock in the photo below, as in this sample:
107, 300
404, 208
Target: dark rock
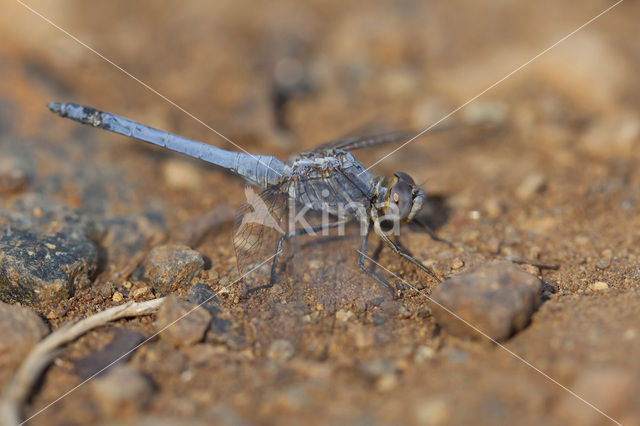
37, 268
122, 390
123, 341
172, 266
223, 328
182, 322
200, 294
20, 328
498, 298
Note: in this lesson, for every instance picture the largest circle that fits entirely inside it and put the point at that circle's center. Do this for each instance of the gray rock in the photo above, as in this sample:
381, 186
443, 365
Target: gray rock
37, 268
498, 298
20, 328
181, 322
170, 267
122, 389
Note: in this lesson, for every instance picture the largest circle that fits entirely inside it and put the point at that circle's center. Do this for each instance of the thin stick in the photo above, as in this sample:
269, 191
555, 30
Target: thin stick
21, 385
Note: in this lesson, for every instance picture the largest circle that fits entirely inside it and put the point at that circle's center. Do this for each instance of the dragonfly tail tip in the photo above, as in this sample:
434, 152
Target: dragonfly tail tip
55, 107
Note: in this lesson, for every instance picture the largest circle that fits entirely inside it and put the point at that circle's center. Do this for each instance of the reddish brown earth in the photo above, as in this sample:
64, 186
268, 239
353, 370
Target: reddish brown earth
551, 175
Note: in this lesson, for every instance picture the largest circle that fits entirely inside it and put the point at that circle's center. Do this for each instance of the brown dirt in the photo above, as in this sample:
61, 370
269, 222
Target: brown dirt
570, 117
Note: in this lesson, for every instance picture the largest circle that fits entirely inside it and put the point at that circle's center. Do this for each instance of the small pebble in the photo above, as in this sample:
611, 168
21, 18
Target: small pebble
171, 267
344, 315
181, 174
433, 412
457, 264
423, 353
494, 208
281, 350
498, 298
122, 389
603, 264
20, 328
117, 297
181, 322
530, 186
599, 286
140, 292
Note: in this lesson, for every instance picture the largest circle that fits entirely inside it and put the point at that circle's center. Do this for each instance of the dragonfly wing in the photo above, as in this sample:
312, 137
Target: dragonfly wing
258, 226
353, 143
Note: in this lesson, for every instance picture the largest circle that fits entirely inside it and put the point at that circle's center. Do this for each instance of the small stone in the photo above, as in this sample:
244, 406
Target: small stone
423, 353
139, 293
530, 186
599, 286
344, 315
281, 350
494, 208
171, 267
181, 174
122, 389
498, 298
386, 382
457, 264
201, 295
181, 322
117, 297
433, 412
20, 328
603, 264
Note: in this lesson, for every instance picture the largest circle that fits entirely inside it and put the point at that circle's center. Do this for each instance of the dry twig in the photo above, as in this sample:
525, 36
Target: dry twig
21, 385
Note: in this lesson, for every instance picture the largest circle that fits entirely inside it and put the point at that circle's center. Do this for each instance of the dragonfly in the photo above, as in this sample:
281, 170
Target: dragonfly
328, 180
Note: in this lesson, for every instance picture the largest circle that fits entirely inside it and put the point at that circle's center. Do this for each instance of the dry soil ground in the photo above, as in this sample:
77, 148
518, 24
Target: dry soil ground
550, 174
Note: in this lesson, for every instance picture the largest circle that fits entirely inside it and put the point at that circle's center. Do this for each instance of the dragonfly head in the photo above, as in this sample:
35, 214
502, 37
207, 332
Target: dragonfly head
405, 198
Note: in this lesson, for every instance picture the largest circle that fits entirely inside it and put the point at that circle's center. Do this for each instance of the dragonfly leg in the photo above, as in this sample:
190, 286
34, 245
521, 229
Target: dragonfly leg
290, 234
371, 271
406, 254
433, 234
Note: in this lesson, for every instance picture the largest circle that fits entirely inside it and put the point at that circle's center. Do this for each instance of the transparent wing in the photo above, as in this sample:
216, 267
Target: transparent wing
353, 143
258, 226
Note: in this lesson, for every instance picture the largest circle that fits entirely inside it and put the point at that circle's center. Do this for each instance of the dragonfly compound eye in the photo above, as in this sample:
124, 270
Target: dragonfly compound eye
402, 199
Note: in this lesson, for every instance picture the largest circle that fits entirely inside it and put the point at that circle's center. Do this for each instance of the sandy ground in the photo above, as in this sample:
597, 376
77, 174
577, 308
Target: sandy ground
548, 174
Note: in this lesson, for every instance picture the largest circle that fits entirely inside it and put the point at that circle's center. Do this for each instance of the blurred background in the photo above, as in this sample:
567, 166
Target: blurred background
544, 165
